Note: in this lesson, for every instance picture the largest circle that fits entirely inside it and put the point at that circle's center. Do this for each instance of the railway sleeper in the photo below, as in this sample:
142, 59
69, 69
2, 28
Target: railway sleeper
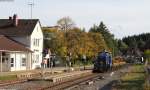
65, 77
27, 75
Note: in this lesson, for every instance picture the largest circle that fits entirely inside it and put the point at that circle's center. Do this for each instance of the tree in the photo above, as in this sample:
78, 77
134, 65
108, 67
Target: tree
147, 45
55, 42
108, 37
122, 47
141, 44
147, 56
79, 43
137, 43
66, 23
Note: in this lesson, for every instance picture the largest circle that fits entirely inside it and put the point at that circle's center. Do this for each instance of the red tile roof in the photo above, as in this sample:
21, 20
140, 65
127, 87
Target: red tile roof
7, 44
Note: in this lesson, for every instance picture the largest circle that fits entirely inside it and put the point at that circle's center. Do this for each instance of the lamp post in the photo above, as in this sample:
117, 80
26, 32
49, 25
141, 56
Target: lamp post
67, 53
68, 61
84, 60
52, 62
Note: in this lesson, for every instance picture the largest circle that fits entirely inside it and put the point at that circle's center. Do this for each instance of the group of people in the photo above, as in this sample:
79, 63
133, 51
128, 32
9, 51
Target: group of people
48, 61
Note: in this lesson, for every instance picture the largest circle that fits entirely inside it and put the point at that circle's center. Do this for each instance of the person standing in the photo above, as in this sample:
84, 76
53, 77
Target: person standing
45, 62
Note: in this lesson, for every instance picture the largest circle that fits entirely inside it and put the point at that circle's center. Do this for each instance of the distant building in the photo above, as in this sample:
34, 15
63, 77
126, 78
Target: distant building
28, 34
53, 27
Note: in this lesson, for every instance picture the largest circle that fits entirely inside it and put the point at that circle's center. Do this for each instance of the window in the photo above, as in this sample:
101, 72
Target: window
33, 56
23, 61
7, 58
3, 54
12, 62
3, 60
37, 58
36, 42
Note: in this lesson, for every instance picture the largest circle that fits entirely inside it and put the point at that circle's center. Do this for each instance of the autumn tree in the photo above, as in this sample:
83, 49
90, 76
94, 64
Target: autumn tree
78, 43
66, 23
55, 41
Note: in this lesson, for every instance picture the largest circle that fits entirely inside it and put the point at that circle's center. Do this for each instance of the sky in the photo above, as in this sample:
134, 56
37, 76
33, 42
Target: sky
122, 17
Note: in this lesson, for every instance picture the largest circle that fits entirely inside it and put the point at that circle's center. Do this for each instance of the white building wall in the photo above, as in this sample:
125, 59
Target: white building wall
36, 45
18, 61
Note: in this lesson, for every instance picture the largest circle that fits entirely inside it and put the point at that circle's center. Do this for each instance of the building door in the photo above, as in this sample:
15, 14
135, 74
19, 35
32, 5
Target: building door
5, 62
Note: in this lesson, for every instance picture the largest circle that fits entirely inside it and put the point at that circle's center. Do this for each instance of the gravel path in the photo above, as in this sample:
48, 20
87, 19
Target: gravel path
104, 83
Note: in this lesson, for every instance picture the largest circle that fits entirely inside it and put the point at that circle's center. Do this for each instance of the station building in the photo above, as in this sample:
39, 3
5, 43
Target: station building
21, 44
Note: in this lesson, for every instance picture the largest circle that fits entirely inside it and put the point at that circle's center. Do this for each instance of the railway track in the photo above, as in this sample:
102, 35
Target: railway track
12, 82
65, 84
42, 84
47, 84
88, 78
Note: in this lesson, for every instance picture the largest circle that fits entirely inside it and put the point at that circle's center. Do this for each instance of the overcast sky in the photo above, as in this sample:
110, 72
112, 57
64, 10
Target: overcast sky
123, 17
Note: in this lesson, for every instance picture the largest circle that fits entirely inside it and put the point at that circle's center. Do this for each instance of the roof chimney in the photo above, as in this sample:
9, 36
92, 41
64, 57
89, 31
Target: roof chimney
10, 18
15, 20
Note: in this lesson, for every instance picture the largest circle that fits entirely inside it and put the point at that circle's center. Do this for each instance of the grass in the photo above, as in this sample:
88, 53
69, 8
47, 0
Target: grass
133, 80
8, 77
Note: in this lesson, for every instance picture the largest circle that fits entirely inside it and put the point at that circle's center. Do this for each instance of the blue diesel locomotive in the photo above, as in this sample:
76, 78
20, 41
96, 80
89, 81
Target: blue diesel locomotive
103, 62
